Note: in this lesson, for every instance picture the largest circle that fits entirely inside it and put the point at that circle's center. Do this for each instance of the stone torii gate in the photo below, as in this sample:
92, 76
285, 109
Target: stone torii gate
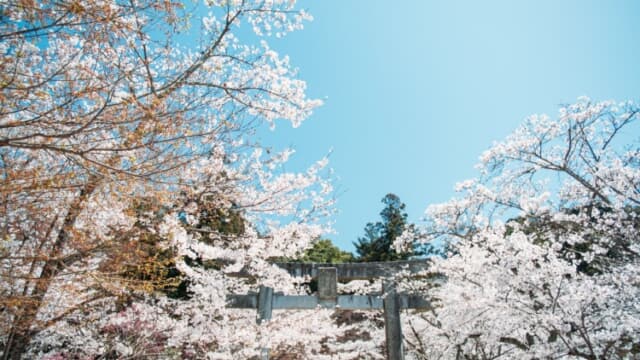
327, 276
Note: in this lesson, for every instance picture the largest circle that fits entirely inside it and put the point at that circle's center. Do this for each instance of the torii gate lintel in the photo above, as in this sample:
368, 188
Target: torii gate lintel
327, 275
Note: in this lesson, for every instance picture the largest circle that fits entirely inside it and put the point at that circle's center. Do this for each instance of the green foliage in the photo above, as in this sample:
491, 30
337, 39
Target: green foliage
377, 243
590, 232
213, 217
323, 251
136, 257
142, 264
213, 221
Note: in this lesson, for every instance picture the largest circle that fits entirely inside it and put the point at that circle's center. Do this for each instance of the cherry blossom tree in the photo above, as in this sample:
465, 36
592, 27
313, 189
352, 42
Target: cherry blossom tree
108, 102
545, 253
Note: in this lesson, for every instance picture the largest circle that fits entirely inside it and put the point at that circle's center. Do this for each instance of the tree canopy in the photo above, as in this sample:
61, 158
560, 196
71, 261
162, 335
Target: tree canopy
133, 190
128, 167
544, 244
323, 251
379, 237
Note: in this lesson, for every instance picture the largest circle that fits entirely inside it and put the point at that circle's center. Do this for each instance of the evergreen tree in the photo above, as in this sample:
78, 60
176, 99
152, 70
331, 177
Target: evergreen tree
377, 243
324, 252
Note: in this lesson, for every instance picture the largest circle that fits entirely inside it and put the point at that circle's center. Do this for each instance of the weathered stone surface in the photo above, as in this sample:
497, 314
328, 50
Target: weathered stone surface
327, 283
345, 302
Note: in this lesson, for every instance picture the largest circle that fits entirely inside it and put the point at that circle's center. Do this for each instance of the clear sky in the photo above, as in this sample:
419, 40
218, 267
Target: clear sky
416, 90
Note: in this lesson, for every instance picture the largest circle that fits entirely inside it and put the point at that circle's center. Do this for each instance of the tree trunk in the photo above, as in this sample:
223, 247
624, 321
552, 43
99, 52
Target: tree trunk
22, 330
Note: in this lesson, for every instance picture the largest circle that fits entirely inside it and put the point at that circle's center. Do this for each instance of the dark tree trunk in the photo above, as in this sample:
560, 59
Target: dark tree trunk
22, 329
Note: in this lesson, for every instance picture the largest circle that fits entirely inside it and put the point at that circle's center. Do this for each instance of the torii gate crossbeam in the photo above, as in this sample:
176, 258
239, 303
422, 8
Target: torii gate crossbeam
327, 276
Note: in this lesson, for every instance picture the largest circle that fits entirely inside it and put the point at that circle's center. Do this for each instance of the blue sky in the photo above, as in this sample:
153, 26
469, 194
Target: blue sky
415, 90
